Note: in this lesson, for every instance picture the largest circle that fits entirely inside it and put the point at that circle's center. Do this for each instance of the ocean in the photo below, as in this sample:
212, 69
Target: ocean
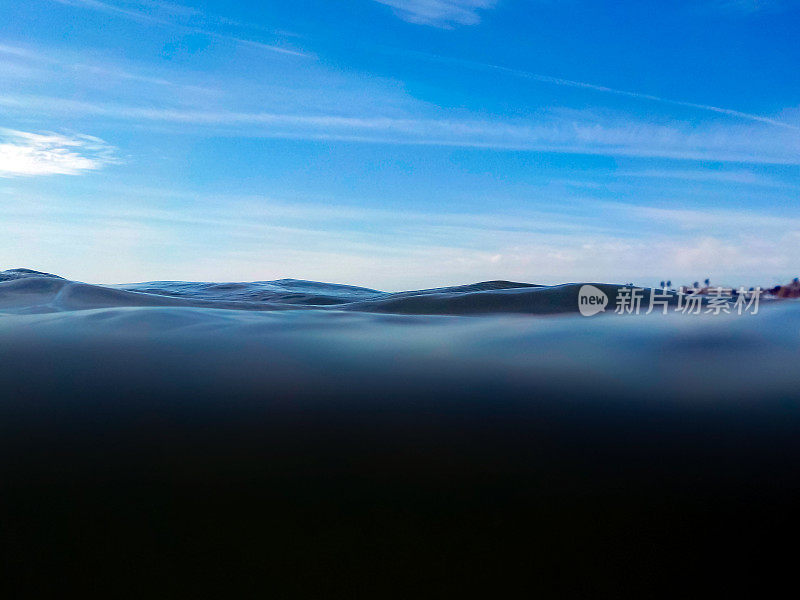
327, 439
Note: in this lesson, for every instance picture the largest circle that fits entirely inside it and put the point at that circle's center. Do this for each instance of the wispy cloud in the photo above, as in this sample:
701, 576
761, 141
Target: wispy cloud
604, 89
229, 238
180, 17
565, 132
439, 13
739, 178
716, 221
51, 63
744, 177
28, 154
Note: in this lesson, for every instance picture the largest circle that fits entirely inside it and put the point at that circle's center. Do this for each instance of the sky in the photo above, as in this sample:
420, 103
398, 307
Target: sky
400, 144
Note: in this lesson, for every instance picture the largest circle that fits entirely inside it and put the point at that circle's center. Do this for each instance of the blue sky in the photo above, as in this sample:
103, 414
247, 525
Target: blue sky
401, 143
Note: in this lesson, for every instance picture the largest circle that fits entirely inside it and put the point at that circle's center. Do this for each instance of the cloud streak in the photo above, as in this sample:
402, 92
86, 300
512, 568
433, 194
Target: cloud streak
53, 63
576, 132
605, 90
25, 154
169, 15
439, 13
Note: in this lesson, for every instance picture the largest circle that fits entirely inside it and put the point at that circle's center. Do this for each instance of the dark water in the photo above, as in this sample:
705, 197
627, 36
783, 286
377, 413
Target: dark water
327, 440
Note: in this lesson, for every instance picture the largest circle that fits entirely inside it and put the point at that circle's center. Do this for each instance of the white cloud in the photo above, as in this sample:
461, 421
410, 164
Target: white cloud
230, 238
29, 154
557, 131
439, 13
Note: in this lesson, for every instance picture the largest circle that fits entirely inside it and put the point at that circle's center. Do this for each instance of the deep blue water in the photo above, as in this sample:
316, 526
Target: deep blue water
327, 435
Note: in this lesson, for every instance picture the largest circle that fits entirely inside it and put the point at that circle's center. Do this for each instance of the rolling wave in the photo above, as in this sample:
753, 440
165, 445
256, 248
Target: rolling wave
27, 291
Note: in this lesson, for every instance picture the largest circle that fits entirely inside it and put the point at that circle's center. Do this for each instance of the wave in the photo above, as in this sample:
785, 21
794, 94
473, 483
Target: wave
28, 291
